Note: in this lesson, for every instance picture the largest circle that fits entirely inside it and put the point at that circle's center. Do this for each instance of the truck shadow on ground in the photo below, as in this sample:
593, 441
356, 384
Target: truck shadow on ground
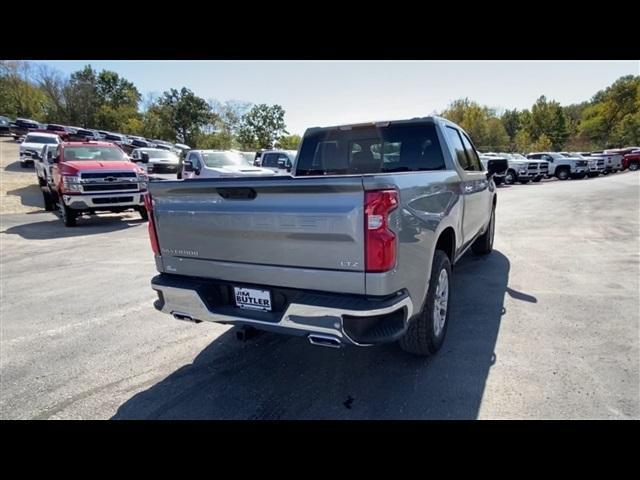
279, 377
15, 167
87, 225
30, 196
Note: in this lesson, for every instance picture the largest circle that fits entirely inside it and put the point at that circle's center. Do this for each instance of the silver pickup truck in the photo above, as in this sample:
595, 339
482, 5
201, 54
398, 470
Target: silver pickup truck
355, 248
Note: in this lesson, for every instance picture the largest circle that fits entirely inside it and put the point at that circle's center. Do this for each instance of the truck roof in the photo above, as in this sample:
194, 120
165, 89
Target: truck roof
94, 143
383, 123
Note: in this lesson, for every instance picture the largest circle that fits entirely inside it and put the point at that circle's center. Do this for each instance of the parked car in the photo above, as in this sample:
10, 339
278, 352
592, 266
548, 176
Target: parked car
58, 129
42, 164
84, 135
33, 143
560, 166
612, 162
161, 144
520, 169
631, 160
21, 127
160, 160
595, 165
278, 161
88, 177
219, 164
350, 250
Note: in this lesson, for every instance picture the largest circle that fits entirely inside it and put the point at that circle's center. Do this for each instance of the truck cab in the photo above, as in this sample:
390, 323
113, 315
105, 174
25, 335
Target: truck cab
278, 161
90, 177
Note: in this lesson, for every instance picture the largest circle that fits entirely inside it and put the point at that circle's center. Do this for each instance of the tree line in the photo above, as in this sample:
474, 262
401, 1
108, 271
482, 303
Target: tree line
610, 119
106, 101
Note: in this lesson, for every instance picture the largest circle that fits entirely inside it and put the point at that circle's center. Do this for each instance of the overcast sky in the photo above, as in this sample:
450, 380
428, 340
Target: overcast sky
322, 93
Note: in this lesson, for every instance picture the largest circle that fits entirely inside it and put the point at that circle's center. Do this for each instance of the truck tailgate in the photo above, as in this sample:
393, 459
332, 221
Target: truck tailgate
303, 233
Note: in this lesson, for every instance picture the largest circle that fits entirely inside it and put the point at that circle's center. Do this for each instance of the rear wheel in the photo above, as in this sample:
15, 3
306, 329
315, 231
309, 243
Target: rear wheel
426, 331
562, 174
634, 166
510, 177
68, 215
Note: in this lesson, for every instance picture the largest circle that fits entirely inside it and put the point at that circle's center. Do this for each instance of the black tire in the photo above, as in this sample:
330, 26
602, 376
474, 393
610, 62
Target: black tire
537, 179
563, 174
41, 182
422, 336
524, 181
592, 174
510, 177
68, 215
49, 204
484, 243
143, 213
497, 181
634, 166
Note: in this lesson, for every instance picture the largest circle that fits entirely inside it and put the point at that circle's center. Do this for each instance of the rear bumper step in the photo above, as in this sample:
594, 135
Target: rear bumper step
326, 319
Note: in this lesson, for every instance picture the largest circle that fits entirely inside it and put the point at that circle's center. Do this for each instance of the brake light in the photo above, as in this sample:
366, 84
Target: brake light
380, 241
153, 236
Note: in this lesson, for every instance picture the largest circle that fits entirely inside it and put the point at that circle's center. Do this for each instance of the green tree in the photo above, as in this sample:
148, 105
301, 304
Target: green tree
19, 97
522, 141
185, 112
511, 122
290, 142
81, 94
542, 144
496, 136
262, 126
612, 117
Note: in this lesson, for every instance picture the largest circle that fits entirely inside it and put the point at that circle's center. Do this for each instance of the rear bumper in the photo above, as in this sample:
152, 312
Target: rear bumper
104, 201
347, 319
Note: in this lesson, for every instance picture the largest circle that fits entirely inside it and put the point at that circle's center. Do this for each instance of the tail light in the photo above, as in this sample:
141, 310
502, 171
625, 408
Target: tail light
153, 236
380, 241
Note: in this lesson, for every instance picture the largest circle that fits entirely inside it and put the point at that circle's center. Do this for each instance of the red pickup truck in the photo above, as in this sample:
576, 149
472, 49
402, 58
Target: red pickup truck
87, 177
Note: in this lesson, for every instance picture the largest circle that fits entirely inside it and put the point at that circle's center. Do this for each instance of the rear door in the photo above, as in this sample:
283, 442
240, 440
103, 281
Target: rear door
475, 186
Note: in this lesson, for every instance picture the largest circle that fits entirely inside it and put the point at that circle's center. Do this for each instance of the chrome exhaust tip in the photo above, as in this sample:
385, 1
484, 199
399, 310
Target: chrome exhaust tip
185, 317
324, 340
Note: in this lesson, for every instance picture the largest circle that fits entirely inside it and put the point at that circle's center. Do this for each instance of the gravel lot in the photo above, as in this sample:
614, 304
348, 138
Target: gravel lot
546, 327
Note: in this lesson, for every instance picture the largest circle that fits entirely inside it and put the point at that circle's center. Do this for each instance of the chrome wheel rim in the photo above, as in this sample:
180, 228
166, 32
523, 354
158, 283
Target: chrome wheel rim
440, 302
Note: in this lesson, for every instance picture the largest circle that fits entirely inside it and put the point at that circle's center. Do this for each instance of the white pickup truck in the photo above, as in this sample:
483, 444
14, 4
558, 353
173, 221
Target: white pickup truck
560, 166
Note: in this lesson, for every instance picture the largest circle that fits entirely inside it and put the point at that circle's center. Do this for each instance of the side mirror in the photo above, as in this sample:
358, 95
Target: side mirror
281, 164
188, 166
497, 166
144, 157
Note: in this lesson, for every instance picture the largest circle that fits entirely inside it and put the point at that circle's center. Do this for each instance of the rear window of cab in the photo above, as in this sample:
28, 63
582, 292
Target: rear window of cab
362, 150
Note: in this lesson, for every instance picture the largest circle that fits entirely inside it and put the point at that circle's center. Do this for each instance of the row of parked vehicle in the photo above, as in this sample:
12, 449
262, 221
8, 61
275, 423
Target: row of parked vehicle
563, 165
32, 135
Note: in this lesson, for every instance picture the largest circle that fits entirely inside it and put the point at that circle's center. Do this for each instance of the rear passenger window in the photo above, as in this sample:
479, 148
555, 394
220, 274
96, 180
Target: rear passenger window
456, 142
474, 161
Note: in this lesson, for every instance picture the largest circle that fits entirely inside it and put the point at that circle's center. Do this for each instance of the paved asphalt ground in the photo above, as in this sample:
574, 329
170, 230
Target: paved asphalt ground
546, 327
